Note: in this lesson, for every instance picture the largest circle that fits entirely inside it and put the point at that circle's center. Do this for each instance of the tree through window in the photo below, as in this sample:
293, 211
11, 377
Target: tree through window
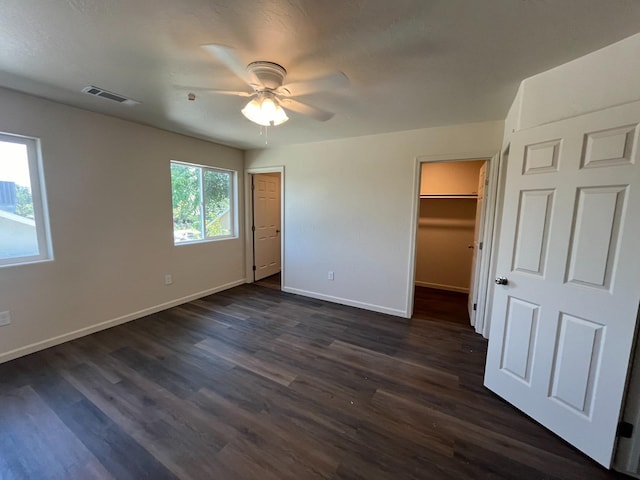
203, 202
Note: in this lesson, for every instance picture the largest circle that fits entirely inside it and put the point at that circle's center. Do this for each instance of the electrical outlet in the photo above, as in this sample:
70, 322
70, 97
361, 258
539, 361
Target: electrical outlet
5, 318
168, 279
330, 275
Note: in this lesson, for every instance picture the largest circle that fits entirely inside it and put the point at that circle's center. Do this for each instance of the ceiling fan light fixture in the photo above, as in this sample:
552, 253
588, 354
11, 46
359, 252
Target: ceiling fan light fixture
252, 110
265, 110
268, 107
279, 116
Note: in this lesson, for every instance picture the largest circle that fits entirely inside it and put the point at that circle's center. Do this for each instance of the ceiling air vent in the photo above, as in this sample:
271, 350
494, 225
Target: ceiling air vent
100, 92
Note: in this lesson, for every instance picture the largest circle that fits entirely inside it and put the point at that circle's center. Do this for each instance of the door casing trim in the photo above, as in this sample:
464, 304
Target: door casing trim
248, 264
493, 162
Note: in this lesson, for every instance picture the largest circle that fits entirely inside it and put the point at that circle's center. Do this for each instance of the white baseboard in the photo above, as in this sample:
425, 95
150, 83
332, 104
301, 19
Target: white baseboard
350, 303
34, 347
450, 288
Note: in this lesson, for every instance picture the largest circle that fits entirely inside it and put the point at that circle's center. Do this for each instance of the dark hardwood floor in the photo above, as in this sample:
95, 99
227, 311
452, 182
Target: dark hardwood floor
272, 281
254, 383
440, 305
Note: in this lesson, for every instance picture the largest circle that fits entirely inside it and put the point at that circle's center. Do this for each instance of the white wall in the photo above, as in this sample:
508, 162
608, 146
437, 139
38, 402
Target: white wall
599, 80
512, 122
348, 208
109, 195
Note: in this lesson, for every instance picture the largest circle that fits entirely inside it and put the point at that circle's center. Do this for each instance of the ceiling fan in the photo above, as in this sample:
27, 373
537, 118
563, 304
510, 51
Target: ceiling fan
270, 95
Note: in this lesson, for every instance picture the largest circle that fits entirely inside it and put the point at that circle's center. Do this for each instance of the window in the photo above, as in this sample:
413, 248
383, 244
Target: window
203, 203
24, 229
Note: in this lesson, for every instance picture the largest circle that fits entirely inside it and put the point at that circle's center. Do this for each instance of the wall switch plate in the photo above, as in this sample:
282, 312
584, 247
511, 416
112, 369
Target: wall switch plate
168, 279
330, 275
5, 318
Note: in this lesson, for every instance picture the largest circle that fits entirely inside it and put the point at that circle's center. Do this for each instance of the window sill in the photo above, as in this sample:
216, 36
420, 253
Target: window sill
205, 240
25, 261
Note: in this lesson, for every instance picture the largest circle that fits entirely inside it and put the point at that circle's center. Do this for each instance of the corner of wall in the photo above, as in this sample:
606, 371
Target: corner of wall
514, 116
595, 81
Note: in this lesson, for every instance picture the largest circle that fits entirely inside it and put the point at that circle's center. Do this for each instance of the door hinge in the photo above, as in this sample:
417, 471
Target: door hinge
475, 306
480, 246
253, 187
625, 430
254, 268
253, 228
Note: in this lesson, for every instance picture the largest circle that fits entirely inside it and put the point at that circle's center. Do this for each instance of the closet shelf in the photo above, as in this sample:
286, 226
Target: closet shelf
471, 195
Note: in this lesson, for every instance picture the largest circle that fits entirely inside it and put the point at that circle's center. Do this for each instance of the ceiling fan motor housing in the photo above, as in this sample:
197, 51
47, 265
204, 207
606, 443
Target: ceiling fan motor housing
270, 74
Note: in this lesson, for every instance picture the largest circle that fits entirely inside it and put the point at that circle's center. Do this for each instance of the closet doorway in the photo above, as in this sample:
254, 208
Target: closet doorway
451, 248
265, 226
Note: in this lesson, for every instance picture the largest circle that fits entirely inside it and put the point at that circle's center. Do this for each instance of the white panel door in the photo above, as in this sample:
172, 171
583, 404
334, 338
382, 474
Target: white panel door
478, 235
266, 221
563, 326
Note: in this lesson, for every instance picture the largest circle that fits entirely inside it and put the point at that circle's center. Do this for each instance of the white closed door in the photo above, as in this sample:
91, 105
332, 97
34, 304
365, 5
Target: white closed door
266, 224
478, 234
562, 327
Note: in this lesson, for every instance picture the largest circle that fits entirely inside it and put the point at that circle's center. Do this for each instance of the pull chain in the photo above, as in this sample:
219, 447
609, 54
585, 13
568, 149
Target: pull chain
265, 131
266, 135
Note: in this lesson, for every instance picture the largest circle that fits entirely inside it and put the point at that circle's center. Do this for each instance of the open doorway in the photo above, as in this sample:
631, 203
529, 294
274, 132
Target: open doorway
454, 221
265, 227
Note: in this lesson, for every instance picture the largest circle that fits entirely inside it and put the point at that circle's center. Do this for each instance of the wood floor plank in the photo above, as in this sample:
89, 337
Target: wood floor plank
307, 458
255, 383
510, 447
175, 432
247, 361
394, 368
120, 454
46, 447
37, 444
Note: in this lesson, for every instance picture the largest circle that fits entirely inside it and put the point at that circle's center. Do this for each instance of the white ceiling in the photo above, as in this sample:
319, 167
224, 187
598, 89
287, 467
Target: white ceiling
412, 64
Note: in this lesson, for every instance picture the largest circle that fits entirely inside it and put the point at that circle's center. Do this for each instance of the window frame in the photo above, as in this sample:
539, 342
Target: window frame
233, 203
38, 196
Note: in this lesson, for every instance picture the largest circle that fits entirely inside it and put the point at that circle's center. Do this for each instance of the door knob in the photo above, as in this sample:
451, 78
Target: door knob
501, 281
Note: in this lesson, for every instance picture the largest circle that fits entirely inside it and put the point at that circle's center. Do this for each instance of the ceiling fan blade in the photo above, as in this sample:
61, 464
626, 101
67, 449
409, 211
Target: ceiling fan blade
228, 56
220, 92
332, 81
303, 108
